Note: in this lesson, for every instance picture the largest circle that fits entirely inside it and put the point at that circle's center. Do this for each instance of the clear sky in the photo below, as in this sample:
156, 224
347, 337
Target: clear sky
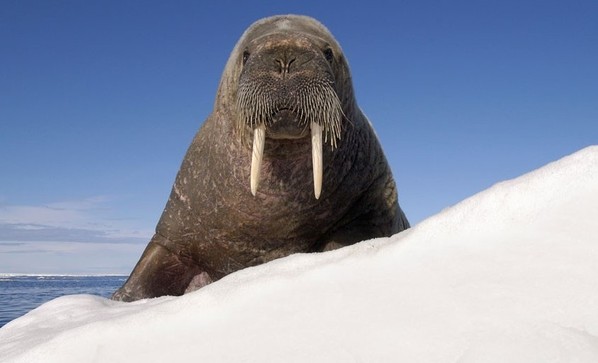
99, 101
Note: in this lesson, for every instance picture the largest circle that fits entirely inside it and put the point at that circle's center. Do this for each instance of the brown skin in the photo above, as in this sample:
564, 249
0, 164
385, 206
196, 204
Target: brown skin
212, 225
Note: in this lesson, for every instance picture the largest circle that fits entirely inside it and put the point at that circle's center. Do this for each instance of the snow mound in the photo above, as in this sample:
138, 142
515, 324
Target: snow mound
508, 275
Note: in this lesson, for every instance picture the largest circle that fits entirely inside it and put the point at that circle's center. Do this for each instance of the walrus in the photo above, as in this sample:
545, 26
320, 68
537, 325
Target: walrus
244, 194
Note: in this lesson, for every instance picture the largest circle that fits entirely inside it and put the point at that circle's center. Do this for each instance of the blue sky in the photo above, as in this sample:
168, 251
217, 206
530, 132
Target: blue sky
99, 101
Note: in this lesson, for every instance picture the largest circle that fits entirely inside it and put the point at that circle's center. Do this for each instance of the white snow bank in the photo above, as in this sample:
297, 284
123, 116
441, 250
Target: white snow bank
509, 275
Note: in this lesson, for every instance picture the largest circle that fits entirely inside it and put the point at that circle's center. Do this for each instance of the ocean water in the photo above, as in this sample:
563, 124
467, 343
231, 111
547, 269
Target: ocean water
20, 294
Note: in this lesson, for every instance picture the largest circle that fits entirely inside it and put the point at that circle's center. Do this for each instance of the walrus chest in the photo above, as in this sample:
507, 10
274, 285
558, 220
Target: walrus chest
233, 236
283, 218
274, 220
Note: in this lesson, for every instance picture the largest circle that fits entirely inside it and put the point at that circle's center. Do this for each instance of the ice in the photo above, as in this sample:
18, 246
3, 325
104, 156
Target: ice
508, 275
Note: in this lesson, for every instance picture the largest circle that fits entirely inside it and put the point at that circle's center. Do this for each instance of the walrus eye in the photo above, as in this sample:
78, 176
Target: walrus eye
328, 55
245, 57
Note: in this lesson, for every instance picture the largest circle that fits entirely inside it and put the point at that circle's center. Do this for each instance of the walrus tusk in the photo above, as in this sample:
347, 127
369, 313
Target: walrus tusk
259, 138
316, 157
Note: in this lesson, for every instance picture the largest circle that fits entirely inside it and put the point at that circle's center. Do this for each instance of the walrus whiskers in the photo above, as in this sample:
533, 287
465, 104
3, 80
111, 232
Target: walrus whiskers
316, 105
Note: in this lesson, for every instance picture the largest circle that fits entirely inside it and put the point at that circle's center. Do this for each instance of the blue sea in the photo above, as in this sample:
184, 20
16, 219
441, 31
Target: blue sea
20, 294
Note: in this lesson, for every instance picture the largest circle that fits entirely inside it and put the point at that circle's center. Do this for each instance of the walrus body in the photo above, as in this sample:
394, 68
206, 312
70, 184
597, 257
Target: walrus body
244, 194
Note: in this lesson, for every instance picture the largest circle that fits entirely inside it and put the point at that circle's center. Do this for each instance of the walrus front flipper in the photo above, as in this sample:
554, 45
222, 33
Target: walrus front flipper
159, 272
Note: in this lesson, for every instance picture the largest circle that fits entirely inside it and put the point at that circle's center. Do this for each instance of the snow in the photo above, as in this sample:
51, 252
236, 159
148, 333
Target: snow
508, 275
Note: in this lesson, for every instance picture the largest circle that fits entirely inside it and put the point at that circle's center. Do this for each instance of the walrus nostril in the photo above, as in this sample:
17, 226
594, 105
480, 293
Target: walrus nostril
291, 61
284, 64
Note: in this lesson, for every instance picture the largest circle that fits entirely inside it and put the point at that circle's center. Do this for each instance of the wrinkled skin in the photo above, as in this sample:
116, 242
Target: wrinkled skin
212, 224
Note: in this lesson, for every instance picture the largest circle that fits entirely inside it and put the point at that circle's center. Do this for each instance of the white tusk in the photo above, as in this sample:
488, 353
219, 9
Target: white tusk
259, 138
316, 157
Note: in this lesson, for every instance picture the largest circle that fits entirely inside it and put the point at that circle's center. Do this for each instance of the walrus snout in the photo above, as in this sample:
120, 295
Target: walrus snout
287, 61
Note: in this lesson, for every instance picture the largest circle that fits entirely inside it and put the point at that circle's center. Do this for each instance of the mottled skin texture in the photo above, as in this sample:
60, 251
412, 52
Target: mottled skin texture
212, 225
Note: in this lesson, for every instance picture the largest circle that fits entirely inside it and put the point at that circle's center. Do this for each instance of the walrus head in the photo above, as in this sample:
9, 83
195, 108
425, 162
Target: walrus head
287, 70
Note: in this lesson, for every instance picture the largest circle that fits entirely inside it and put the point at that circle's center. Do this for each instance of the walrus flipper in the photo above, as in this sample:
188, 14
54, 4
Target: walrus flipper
159, 272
